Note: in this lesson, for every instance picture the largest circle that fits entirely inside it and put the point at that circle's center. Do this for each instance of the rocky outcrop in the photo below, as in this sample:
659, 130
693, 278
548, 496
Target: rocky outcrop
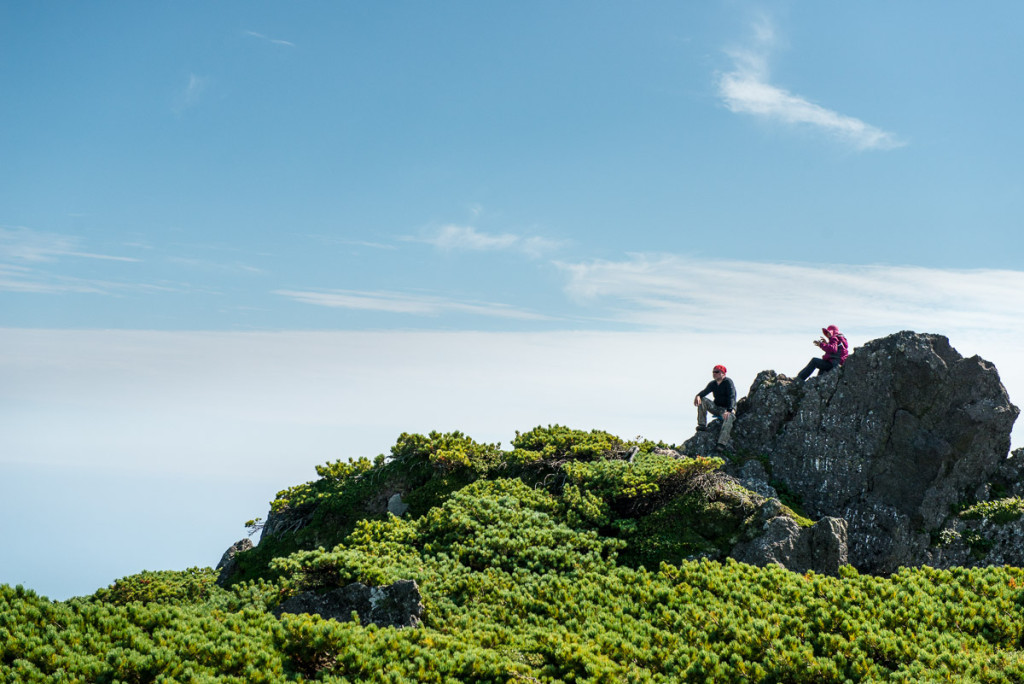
290, 520
287, 520
228, 563
393, 605
891, 442
986, 541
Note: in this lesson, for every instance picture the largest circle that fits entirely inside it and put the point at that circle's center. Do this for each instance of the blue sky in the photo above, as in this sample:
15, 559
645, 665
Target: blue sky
240, 239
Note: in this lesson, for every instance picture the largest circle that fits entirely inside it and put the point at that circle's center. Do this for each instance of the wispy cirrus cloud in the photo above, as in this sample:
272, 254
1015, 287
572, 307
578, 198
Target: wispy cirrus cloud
331, 240
35, 281
746, 90
22, 244
405, 303
189, 95
37, 261
21, 279
215, 266
274, 41
452, 237
672, 292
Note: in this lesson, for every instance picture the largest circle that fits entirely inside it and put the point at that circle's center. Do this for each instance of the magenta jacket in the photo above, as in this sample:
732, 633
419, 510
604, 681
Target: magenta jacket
836, 348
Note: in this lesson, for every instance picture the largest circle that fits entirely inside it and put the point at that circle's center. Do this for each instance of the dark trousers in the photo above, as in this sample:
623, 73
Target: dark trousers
822, 365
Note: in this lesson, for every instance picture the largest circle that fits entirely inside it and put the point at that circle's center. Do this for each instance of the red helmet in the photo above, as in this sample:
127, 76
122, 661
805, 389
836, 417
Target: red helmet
719, 367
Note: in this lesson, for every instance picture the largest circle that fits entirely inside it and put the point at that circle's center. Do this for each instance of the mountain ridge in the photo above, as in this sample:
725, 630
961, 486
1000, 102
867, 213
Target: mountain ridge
581, 557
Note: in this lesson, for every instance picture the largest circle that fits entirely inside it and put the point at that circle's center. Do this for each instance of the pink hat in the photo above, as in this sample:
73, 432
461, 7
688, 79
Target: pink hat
830, 330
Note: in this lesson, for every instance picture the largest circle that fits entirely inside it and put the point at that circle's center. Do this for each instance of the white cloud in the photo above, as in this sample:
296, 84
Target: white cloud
216, 267
537, 247
453, 237
747, 90
26, 245
189, 95
28, 257
469, 238
20, 279
671, 292
331, 240
275, 41
14, 279
279, 403
403, 303
223, 402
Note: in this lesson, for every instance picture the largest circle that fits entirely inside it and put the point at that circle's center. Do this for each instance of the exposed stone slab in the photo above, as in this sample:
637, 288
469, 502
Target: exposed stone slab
394, 605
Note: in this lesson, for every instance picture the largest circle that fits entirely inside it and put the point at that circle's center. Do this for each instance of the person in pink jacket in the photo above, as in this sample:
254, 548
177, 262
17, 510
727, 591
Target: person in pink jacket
836, 349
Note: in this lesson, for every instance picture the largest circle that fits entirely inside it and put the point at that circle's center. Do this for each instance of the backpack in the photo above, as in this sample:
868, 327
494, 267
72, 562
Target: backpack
843, 350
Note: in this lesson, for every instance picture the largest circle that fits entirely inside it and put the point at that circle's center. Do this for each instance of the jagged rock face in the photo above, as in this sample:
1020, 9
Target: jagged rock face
890, 442
288, 520
980, 542
394, 605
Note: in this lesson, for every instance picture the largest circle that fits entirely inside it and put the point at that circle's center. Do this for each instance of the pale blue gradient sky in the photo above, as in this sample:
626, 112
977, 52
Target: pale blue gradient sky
239, 239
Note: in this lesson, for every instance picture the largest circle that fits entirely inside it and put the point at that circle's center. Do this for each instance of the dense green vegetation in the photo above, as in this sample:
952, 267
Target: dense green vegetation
998, 511
559, 560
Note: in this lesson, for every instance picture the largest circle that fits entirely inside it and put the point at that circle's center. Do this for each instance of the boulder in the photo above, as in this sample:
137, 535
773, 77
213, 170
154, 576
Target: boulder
821, 547
394, 605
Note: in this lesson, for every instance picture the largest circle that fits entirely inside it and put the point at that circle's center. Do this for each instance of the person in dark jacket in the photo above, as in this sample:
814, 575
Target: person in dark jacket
836, 349
724, 404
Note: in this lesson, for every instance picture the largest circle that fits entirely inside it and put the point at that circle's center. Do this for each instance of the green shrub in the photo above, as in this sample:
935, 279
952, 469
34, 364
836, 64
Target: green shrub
560, 561
166, 586
1000, 511
556, 443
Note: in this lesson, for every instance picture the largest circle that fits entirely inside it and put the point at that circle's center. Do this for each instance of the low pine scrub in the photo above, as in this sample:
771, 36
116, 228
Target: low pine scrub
540, 564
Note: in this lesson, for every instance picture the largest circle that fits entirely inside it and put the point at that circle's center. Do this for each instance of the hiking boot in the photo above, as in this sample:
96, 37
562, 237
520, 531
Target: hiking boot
701, 428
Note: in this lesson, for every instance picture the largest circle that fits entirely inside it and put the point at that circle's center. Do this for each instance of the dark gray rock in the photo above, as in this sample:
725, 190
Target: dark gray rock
752, 475
973, 543
394, 605
288, 520
821, 547
228, 563
890, 442
763, 531
1010, 477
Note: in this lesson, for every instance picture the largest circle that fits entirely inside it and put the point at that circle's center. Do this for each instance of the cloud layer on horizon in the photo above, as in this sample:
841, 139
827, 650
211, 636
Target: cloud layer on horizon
282, 402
